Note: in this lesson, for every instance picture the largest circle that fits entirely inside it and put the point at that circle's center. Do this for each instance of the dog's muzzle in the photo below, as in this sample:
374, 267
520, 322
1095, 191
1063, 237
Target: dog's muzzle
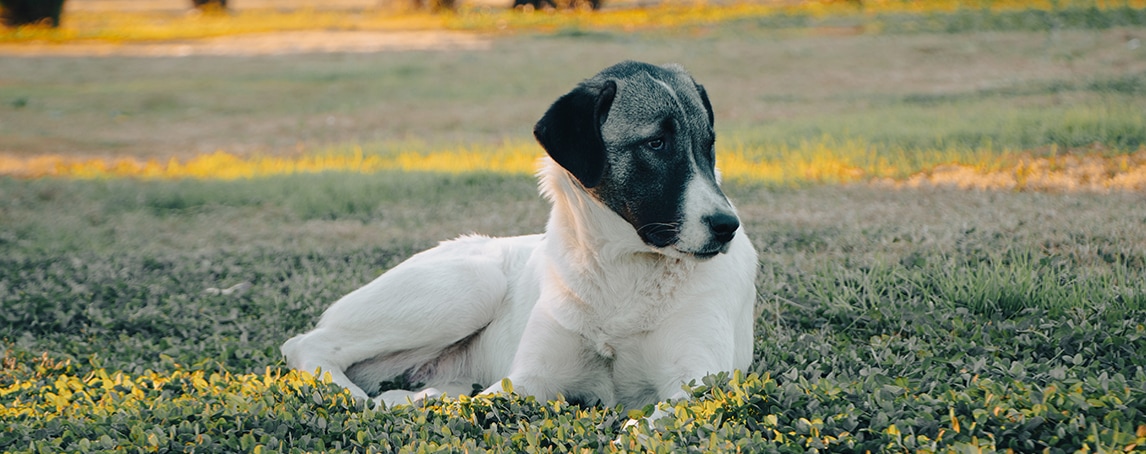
721, 230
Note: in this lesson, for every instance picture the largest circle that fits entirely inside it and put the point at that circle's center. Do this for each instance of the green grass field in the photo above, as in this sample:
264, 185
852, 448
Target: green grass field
145, 315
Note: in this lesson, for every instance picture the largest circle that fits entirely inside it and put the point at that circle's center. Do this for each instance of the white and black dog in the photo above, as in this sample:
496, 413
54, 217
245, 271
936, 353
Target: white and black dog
642, 281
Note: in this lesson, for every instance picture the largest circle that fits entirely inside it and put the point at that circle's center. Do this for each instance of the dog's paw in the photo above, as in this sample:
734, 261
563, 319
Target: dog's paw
397, 397
236, 289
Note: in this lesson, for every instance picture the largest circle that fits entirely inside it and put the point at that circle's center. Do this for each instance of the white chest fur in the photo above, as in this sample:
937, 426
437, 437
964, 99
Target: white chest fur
619, 300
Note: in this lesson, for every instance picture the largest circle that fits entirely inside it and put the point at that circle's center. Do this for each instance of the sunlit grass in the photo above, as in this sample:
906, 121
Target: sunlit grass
823, 161
130, 26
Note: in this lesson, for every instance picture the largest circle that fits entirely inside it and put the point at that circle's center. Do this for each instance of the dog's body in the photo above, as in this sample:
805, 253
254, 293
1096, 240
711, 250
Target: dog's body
639, 284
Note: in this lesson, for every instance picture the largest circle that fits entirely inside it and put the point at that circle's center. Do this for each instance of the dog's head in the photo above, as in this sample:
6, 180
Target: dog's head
639, 138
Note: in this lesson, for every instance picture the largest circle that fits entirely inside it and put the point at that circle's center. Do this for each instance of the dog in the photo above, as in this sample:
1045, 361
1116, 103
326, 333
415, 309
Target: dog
642, 281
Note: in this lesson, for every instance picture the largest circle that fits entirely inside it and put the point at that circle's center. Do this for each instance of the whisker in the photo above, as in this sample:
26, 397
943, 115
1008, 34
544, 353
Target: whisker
660, 227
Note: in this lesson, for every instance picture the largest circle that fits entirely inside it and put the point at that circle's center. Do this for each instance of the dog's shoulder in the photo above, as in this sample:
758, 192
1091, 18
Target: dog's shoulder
483, 244
510, 252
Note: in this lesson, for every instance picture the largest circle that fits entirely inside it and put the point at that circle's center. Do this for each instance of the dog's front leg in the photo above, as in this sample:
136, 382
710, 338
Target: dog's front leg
695, 353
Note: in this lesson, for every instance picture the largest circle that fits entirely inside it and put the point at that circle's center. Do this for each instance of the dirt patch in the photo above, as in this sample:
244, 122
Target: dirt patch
1089, 173
279, 43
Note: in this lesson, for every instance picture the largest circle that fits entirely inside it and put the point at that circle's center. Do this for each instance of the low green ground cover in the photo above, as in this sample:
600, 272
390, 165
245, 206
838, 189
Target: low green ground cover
889, 320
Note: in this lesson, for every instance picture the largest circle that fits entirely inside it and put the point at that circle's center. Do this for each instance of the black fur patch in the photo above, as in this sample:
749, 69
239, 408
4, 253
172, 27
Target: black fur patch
570, 131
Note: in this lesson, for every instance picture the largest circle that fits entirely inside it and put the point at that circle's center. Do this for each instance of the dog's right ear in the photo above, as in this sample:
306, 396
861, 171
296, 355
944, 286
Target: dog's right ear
570, 131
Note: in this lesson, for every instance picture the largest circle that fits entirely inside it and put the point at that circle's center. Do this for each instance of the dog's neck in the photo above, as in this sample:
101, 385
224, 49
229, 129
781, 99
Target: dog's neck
583, 225
598, 257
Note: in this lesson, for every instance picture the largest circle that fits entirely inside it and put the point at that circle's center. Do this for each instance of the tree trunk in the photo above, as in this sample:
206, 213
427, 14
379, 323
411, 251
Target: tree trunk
15, 13
205, 5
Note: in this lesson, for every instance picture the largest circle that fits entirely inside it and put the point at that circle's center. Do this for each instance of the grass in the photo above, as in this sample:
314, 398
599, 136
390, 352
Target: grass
197, 218
900, 138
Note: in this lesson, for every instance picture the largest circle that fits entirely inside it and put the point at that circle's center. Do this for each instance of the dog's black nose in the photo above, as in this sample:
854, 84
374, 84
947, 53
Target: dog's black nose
722, 225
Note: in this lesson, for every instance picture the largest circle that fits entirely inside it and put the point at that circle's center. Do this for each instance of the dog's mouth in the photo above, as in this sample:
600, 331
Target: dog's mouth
709, 252
664, 238
700, 255
706, 255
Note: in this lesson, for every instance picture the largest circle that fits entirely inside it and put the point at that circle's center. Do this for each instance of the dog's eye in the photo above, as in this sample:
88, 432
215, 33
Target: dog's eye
656, 144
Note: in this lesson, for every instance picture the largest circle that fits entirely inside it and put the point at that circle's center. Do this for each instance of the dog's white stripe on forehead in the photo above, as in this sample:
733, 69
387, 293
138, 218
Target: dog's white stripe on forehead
671, 91
665, 85
683, 112
683, 107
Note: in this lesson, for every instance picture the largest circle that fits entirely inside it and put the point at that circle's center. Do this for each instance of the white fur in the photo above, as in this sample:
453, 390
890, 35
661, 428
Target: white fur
586, 310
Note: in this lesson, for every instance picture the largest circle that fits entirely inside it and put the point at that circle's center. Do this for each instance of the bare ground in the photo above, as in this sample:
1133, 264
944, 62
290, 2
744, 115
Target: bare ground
279, 43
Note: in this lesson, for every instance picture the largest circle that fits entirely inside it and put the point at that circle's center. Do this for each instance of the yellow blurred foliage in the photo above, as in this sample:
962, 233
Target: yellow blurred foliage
226, 166
133, 26
814, 163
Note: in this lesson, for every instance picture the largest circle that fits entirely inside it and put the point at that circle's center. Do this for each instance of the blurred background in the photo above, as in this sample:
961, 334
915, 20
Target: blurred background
816, 91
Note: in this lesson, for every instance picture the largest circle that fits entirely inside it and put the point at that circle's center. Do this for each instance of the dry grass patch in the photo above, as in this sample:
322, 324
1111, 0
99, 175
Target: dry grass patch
1087, 172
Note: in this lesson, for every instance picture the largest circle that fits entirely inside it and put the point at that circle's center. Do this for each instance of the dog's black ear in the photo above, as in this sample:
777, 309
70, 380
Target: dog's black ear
570, 131
707, 104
